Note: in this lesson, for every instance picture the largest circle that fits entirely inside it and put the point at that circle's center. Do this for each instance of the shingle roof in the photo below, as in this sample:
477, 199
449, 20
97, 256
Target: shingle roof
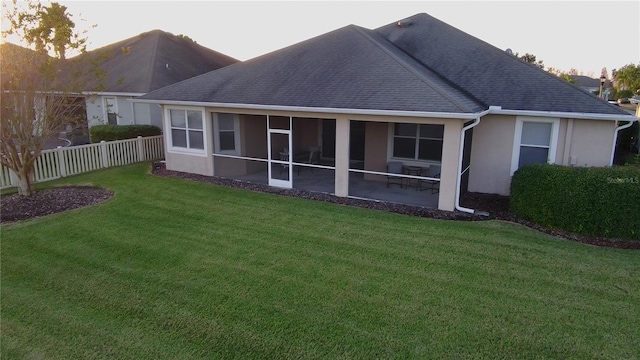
153, 60
350, 68
424, 65
15, 58
490, 74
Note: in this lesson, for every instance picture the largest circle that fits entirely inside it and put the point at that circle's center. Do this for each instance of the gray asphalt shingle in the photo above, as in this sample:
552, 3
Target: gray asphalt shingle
424, 66
152, 60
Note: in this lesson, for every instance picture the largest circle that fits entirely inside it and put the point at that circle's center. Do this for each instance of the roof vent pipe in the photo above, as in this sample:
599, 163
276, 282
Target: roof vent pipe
405, 23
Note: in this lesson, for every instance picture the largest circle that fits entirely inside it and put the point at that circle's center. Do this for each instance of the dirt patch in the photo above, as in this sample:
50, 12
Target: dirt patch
50, 201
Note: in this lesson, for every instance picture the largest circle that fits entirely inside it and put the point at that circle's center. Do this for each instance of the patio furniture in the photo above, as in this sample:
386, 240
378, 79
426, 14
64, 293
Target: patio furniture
433, 185
395, 167
415, 171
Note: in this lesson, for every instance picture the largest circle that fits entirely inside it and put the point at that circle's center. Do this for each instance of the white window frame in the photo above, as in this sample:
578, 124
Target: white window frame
415, 159
114, 109
168, 127
236, 135
517, 138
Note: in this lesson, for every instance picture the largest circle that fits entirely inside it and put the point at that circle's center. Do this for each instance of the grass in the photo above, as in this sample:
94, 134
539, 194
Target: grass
171, 268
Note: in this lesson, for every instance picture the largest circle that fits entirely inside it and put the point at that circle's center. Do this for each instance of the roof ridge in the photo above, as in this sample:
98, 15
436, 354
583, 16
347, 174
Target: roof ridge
152, 62
420, 76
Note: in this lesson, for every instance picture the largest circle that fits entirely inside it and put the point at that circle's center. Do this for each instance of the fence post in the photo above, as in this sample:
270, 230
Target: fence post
103, 154
13, 178
140, 150
62, 165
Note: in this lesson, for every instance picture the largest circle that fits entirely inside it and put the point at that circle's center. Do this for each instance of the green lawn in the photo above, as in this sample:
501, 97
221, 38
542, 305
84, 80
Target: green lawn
174, 269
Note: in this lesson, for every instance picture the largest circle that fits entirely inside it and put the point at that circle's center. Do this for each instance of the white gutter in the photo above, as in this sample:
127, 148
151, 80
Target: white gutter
112, 93
558, 114
441, 115
615, 139
497, 110
460, 159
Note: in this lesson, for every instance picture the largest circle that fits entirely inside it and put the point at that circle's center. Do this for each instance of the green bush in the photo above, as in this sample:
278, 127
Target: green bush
588, 201
121, 132
624, 94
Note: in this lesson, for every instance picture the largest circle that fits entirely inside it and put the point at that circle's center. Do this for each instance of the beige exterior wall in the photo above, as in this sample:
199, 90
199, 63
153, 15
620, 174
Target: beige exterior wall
342, 156
491, 155
449, 169
375, 149
190, 162
579, 143
591, 143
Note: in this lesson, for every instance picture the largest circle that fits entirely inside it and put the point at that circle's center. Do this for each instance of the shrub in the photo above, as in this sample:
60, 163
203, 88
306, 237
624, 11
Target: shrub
588, 201
121, 132
624, 94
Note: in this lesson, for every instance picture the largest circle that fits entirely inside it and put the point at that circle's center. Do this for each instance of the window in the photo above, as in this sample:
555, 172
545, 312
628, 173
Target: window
535, 142
186, 129
418, 141
227, 135
111, 109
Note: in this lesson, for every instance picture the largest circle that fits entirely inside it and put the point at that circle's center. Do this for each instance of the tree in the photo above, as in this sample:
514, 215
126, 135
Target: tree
628, 78
39, 92
531, 59
563, 75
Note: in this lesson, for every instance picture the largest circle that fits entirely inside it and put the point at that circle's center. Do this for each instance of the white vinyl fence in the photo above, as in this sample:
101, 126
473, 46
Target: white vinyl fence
66, 161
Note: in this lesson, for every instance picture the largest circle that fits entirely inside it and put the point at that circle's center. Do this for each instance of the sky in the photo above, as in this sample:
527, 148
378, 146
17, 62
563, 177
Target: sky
583, 35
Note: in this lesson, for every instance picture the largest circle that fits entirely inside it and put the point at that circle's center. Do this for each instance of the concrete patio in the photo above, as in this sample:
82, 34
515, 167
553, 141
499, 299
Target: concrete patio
323, 180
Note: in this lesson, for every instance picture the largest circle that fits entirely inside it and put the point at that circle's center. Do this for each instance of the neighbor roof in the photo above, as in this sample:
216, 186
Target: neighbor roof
153, 60
418, 64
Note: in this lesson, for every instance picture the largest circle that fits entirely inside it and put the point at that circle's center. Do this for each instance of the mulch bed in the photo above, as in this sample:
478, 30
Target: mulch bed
50, 201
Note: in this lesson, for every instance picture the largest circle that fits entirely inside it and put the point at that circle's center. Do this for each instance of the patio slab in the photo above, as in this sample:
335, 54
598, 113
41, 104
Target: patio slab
323, 180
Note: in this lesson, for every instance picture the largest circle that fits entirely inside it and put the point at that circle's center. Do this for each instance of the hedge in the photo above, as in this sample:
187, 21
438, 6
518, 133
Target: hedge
121, 132
589, 201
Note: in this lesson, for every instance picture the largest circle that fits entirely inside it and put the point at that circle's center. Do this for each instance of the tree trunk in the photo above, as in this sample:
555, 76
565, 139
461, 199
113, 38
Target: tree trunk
25, 181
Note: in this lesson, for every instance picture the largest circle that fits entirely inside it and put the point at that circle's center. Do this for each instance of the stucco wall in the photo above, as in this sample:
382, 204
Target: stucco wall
189, 163
156, 115
95, 116
375, 149
142, 113
449, 170
580, 143
96, 113
591, 143
491, 155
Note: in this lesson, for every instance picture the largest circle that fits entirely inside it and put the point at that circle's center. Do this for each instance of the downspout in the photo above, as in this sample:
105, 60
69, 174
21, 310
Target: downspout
615, 139
460, 159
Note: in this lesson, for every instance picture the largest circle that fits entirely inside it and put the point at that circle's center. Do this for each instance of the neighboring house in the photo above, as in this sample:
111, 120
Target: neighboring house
138, 65
589, 84
416, 91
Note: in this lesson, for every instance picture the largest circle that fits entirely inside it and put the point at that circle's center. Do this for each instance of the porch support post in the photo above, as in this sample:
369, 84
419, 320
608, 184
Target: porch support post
449, 169
342, 157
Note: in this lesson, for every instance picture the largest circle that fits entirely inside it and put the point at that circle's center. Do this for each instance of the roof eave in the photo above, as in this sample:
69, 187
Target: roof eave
441, 115
112, 93
560, 114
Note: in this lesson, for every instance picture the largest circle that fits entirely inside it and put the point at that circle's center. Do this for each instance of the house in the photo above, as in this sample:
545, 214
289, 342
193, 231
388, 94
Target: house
138, 65
591, 85
416, 91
